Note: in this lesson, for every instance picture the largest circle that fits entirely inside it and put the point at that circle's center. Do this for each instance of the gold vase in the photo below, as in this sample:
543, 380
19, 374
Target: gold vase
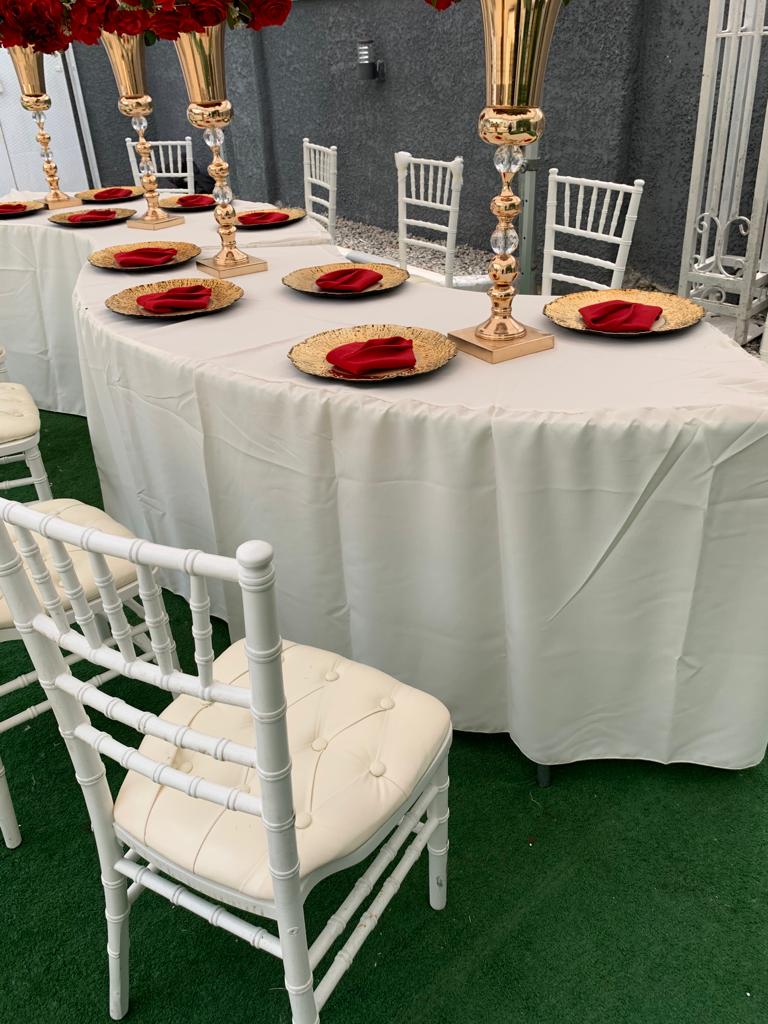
517, 35
28, 66
126, 57
201, 56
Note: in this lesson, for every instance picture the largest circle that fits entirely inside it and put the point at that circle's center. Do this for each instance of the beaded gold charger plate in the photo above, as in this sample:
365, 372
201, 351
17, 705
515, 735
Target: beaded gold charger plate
172, 203
30, 206
223, 295
432, 350
677, 312
91, 194
304, 280
294, 214
105, 258
63, 219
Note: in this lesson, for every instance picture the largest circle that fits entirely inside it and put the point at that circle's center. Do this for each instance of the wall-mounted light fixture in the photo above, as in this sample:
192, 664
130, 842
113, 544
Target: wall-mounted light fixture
367, 64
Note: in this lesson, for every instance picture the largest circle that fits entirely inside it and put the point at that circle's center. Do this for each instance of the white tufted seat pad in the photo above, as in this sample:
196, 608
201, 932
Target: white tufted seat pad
82, 515
359, 740
19, 417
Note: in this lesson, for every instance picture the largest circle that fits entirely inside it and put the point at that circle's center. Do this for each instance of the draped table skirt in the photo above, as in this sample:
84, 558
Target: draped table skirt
39, 267
570, 547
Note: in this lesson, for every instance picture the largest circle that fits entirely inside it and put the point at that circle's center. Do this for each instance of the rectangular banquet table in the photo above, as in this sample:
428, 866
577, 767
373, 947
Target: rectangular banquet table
571, 547
40, 263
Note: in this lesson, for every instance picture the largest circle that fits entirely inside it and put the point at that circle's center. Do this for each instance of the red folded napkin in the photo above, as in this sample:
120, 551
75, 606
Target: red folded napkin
196, 200
352, 280
620, 317
92, 215
358, 358
113, 193
152, 256
12, 207
263, 217
176, 300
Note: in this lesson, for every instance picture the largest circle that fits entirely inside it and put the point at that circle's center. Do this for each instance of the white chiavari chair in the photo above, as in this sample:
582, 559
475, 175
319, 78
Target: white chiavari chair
275, 765
434, 186
172, 159
20, 434
320, 174
598, 211
92, 604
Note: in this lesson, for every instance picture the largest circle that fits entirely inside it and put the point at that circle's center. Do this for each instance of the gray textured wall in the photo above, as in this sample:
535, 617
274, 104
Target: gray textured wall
621, 96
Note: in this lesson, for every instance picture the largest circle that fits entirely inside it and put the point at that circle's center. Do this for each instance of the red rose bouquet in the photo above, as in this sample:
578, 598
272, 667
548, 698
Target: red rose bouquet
41, 24
169, 18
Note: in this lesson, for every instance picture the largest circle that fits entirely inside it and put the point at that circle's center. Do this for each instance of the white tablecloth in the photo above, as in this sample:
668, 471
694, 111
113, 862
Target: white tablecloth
572, 546
39, 265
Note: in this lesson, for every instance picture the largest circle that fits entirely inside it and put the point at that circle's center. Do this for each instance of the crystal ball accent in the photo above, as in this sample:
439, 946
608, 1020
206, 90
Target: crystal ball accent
508, 159
213, 137
222, 194
504, 241
139, 124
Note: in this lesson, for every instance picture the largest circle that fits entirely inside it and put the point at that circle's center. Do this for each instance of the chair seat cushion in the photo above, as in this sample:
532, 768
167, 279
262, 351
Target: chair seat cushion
124, 573
19, 417
359, 740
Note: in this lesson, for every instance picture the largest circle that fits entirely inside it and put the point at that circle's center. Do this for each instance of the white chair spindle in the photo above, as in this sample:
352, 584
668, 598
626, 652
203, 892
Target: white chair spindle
156, 618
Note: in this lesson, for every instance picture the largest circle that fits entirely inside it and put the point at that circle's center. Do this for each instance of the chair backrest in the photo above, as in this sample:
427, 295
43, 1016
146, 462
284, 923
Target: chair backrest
429, 185
320, 174
43, 625
600, 211
4, 375
172, 158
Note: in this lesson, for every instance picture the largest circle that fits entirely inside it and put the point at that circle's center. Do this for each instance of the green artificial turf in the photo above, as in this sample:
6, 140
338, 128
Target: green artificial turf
628, 892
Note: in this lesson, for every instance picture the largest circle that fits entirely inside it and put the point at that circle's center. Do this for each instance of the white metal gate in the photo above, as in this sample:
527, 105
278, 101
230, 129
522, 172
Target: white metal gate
725, 257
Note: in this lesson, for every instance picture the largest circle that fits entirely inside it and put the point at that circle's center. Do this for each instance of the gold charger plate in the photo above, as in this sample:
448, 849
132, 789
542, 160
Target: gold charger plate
223, 295
104, 258
63, 219
89, 195
172, 203
294, 213
677, 312
304, 280
432, 350
32, 206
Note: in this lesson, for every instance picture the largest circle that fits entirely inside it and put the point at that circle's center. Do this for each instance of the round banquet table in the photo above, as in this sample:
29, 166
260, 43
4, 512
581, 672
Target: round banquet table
39, 266
571, 547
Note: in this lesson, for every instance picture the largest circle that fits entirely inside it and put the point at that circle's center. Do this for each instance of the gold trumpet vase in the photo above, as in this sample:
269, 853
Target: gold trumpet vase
201, 55
28, 66
517, 34
126, 56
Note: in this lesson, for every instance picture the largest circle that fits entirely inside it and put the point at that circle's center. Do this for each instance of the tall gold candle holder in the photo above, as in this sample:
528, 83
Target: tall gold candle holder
126, 57
28, 66
517, 34
201, 55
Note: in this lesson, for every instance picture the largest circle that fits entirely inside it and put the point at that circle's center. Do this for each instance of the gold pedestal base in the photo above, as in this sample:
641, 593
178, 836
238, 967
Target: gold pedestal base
62, 204
253, 266
145, 224
499, 351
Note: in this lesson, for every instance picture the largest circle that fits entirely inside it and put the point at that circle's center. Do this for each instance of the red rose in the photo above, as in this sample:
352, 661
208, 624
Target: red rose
441, 5
268, 12
129, 22
208, 12
165, 24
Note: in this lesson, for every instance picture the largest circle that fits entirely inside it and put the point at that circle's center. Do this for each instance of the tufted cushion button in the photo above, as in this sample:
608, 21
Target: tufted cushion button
319, 744
331, 677
378, 769
386, 703
303, 820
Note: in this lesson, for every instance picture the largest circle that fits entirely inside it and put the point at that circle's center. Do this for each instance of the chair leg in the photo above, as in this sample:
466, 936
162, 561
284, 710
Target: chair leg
438, 841
117, 914
9, 826
543, 776
34, 462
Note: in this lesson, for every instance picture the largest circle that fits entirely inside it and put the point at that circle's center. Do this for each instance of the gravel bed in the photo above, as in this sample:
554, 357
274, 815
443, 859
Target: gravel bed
381, 242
